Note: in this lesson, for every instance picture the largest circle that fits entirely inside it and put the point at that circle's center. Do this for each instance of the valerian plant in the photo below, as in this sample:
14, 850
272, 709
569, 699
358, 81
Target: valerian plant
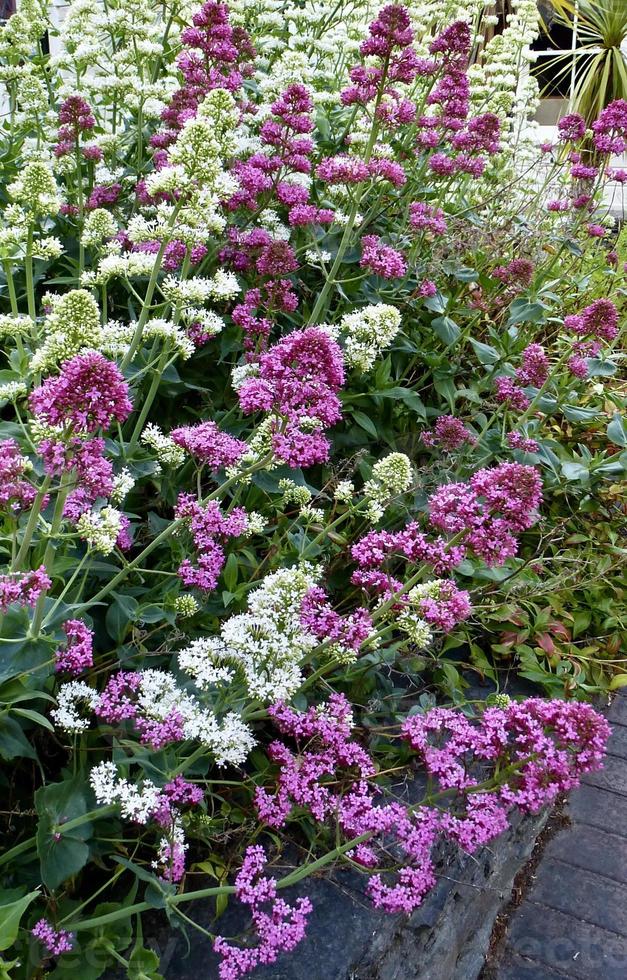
308, 408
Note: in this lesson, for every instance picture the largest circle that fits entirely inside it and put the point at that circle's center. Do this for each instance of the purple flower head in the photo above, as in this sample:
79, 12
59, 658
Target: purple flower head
89, 393
571, 128
77, 655
209, 445
55, 941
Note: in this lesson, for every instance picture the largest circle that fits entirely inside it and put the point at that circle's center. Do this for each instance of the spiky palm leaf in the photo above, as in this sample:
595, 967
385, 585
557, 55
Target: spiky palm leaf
601, 65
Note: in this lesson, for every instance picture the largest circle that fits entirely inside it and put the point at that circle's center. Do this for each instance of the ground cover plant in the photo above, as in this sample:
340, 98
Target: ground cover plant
311, 420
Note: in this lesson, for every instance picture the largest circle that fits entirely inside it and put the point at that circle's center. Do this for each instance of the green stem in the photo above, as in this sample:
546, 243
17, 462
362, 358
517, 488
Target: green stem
33, 517
152, 283
57, 519
148, 400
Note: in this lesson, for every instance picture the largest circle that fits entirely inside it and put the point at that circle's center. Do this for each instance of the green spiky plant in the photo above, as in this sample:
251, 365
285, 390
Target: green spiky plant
601, 30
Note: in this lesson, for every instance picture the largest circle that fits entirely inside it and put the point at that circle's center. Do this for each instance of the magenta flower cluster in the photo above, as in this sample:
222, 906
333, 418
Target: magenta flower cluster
209, 528
449, 433
279, 929
23, 588
206, 443
77, 654
55, 941
522, 755
16, 493
319, 618
490, 511
298, 381
88, 394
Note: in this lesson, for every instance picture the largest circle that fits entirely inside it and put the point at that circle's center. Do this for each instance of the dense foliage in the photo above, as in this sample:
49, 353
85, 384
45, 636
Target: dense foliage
311, 422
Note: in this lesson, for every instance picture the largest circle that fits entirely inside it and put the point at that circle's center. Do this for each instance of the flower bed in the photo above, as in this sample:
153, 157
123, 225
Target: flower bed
309, 409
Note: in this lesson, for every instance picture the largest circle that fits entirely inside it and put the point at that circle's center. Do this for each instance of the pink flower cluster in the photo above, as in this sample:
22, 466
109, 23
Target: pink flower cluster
572, 128
516, 440
390, 42
345, 169
276, 295
319, 618
377, 549
534, 369
451, 607
527, 752
88, 394
381, 259
596, 323
209, 529
209, 445
55, 941
23, 588
449, 433
118, 702
279, 930
16, 493
75, 118
85, 459
427, 217
508, 391
517, 274
298, 380
491, 510
610, 129
286, 133
215, 55
325, 732
77, 654
173, 796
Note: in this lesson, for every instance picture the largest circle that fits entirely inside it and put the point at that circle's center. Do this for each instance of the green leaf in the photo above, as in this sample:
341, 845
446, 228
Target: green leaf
13, 741
121, 612
230, 573
10, 915
446, 329
617, 431
366, 423
35, 716
575, 472
61, 854
407, 396
485, 353
143, 965
522, 311
619, 680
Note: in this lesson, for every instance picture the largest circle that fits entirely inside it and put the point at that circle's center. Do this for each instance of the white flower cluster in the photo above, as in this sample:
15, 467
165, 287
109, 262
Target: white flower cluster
223, 286
137, 803
390, 476
171, 334
159, 698
98, 227
15, 326
72, 325
123, 483
293, 493
165, 449
72, 698
113, 265
12, 390
185, 605
267, 644
36, 190
115, 338
100, 529
367, 332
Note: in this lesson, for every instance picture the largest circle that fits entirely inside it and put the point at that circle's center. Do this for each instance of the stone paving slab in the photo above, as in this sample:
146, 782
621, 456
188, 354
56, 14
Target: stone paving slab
572, 921
564, 943
583, 894
599, 808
